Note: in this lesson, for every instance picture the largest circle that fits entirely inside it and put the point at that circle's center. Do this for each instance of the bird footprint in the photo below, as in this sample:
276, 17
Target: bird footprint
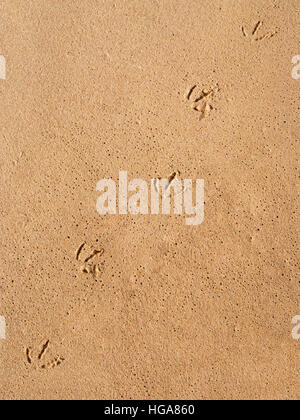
255, 32
91, 263
201, 99
36, 358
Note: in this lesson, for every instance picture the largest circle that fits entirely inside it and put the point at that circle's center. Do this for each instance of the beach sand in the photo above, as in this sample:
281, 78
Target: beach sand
161, 310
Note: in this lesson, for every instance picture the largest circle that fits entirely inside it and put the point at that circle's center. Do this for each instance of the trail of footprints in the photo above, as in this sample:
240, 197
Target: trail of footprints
90, 264
255, 33
39, 360
201, 100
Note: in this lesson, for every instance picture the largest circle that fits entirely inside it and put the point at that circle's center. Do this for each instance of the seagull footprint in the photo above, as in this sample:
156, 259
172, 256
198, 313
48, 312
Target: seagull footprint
255, 32
201, 100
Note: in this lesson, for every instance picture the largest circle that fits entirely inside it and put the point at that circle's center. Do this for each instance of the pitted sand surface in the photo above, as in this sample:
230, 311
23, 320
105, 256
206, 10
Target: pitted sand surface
161, 310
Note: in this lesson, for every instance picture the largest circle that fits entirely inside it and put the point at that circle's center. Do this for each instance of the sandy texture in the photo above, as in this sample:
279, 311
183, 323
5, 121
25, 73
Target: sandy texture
172, 311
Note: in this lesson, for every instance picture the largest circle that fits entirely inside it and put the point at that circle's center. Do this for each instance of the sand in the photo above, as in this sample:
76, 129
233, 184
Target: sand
161, 310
